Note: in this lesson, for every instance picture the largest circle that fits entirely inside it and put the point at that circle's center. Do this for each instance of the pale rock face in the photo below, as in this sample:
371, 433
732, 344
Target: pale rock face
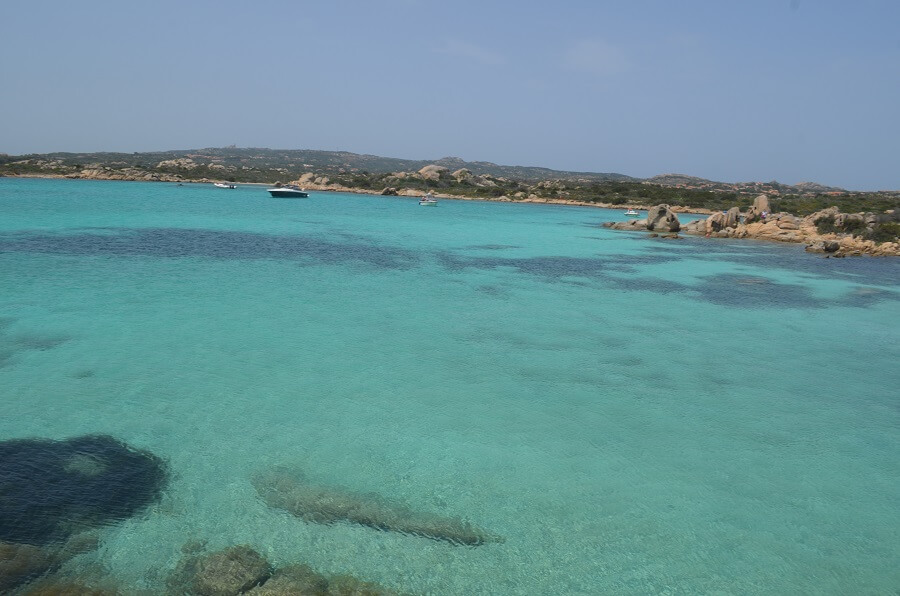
462, 175
760, 206
662, 219
631, 224
716, 222
432, 172
787, 222
698, 226
185, 162
732, 217
784, 227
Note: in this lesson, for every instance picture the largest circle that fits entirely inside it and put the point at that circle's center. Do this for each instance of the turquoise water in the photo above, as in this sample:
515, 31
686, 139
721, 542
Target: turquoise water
631, 415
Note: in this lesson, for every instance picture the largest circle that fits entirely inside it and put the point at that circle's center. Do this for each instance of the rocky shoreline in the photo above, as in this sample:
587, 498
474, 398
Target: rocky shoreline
759, 224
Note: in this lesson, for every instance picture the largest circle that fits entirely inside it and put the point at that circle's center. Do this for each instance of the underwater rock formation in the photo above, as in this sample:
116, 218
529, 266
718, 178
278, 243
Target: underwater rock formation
69, 588
22, 563
293, 579
50, 490
231, 571
241, 570
288, 490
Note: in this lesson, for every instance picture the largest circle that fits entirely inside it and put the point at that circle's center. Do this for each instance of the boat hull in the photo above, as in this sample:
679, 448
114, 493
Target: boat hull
282, 193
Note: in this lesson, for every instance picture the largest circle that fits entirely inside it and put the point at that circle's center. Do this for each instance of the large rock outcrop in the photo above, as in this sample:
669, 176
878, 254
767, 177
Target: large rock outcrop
432, 172
759, 210
659, 219
662, 219
827, 231
462, 175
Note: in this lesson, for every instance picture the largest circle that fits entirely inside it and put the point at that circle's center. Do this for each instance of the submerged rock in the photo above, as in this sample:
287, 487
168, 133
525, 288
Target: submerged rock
68, 588
232, 571
22, 563
50, 490
294, 579
345, 585
241, 570
290, 491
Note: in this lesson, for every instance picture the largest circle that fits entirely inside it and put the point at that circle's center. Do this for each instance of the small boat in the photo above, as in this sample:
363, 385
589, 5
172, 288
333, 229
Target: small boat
428, 200
288, 192
632, 213
223, 185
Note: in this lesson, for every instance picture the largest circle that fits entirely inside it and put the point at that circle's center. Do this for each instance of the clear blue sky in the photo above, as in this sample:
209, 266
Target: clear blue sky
791, 90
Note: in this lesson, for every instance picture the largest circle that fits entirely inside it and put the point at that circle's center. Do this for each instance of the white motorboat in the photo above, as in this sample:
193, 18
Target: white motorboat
288, 192
224, 185
632, 213
428, 200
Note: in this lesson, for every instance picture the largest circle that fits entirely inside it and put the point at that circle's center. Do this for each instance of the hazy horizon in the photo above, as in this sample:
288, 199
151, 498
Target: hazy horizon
436, 159
786, 90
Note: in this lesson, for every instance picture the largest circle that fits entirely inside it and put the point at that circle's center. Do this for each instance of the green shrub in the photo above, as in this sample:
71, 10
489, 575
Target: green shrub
825, 225
885, 232
854, 227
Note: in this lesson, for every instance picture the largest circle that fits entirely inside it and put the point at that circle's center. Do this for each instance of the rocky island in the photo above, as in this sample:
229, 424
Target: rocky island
826, 231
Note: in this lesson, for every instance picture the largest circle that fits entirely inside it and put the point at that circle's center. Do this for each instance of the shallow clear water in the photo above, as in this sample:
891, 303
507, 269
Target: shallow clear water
631, 415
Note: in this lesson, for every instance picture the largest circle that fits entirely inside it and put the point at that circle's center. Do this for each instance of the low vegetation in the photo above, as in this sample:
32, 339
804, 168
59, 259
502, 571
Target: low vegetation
887, 231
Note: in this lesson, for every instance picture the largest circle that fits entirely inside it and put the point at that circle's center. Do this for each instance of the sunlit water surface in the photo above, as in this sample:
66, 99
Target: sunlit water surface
631, 415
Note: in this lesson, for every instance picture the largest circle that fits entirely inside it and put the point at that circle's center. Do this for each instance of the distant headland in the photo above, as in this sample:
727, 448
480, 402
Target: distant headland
453, 177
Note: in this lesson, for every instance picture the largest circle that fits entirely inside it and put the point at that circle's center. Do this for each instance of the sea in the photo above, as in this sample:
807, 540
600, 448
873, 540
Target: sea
627, 414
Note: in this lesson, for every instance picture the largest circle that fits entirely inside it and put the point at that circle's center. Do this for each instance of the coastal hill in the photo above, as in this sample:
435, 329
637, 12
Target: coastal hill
258, 163
269, 165
772, 188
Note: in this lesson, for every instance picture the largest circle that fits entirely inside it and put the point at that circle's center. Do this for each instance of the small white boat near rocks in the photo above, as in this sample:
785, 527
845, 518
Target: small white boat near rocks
428, 200
632, 213
224, 185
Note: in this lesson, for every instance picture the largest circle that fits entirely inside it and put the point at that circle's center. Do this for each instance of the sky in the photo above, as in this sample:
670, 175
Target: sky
786, 90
